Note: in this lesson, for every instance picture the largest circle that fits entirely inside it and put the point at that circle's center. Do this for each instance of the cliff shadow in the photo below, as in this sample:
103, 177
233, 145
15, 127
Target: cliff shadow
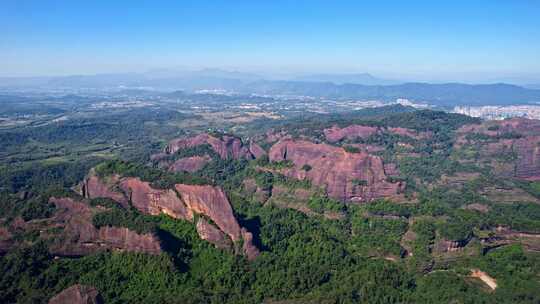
178, 249
253, 225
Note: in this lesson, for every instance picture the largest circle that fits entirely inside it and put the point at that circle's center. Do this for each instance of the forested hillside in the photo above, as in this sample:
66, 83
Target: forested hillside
384, 205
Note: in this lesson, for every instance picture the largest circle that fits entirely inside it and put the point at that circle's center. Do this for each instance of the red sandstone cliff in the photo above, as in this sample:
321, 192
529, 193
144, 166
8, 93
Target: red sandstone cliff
181, 203
526, 148
189, 164
335, 134
226, 146
345, 176
80, 237
94, 187
153, 201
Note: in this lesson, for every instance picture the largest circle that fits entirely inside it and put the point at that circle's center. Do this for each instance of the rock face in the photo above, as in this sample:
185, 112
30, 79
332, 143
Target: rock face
182, 203
524, 145
226, 147
80, 237
212, 234
357, 177
94, 187
351, 132
213, 203
528, 162
77, 294
256, 150
336, 134
153, 201
443, 246
189, 164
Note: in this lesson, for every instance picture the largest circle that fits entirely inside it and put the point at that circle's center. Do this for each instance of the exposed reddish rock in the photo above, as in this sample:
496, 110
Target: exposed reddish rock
182, 204
251, 188
345, 176
443, 246
528, 162
94, 187
351, 132
335, 133
77, 294
272, 136
212, 234
256, 150
391, 169
226, 147
80, 237
189, 164
154, 201
213, 203
526, 148
248, 248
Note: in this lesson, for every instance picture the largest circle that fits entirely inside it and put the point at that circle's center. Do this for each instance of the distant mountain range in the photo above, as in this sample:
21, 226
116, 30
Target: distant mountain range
334, 86
362, 78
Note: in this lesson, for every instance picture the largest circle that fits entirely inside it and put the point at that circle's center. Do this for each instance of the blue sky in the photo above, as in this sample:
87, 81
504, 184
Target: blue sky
422, 40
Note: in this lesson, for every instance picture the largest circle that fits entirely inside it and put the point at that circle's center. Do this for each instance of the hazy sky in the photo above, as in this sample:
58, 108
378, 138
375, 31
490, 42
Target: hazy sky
427, 40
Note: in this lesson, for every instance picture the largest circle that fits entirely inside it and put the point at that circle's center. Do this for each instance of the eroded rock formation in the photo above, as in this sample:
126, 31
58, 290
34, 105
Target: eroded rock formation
189, 164
77, 294
154, 201
358, 177
80, 237
94, 187
182, 203
212, 234
513, 143
226, 146
335, 133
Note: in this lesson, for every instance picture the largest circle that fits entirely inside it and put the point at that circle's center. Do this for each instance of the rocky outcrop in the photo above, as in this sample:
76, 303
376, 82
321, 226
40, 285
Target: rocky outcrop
357, 177
256, 150
513, 143
226, 146
78, 294
189, 164
212, 234
80, 237
273, 136
444, 246
154, 201
94, 187
182, 203
257, 193
336, 134
528, 158
211, 202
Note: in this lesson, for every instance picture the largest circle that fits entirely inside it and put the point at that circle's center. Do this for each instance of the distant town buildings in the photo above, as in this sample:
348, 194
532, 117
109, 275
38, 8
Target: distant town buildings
500, 112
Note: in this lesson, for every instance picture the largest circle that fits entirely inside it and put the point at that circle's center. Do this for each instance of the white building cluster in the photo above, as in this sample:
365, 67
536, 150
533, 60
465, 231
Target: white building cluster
500, 112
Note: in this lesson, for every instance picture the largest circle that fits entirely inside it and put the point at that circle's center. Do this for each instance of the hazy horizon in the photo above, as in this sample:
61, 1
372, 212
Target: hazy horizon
484, 41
